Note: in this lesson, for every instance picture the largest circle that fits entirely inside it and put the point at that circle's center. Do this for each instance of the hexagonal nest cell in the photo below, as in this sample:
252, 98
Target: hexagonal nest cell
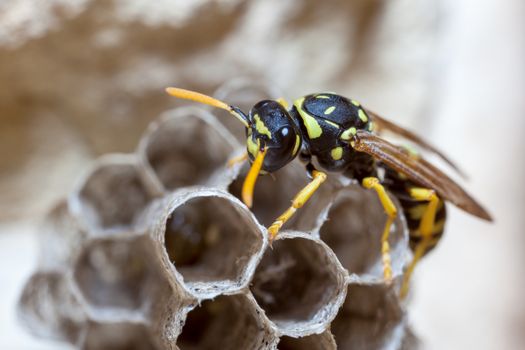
226, 322
371, 318
113, 195
138, 263
117, 277
299, 284
49, 308
61, 239
212, 240
353, 229
186, 147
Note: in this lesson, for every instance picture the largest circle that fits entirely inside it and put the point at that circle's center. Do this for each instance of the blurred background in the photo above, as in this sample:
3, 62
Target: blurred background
81, 78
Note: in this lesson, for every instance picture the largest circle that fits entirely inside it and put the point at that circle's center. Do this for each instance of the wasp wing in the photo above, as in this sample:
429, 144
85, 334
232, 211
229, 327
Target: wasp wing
409, 135
419, 171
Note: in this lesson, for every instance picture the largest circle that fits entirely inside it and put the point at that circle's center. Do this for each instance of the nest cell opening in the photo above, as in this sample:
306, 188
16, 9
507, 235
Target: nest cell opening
49, 309
116, 275
274, 193
369, 318
226, 322
209, 239
119, 336
353, 230
114, 196
186, 150
294, 281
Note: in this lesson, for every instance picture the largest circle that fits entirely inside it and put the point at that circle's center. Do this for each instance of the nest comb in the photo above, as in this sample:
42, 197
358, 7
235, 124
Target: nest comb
154, 250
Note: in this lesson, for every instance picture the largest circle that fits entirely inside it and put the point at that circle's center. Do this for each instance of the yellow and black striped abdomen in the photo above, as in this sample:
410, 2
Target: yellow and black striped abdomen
414, 211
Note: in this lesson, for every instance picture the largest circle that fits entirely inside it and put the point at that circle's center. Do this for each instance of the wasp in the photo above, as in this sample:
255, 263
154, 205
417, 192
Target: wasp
343, 136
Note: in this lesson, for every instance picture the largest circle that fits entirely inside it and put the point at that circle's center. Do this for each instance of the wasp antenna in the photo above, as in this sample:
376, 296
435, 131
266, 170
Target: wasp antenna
208, 100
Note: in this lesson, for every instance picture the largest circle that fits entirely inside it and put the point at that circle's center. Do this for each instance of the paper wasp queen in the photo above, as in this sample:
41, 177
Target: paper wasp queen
342, 136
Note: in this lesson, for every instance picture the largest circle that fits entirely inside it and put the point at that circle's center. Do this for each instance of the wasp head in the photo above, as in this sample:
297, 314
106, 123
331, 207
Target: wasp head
271, 128
273, 137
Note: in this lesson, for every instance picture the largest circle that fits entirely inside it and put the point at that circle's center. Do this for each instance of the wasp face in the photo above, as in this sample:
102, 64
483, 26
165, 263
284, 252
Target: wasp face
272, 127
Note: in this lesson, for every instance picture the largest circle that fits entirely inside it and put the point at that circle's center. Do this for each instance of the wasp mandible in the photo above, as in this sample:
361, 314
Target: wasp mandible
343, 137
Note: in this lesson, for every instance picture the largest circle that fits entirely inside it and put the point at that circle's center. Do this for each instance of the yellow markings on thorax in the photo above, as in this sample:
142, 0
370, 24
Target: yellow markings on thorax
322, 96
261, 127
335, 125
282, 101
312, 125
337, 153
355, 103
348, 133
329, 110
297, 144
362, 115
251, 146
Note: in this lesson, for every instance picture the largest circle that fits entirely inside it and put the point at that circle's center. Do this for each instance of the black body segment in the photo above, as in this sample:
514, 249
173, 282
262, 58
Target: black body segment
336, 109
328, 122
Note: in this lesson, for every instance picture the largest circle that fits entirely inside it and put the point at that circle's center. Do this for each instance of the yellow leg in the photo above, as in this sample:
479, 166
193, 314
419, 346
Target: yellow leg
391, 211
425, 229
249, 182
239, 159
299, 200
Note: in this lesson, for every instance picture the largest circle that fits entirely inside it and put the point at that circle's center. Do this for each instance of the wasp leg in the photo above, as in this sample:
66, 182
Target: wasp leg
391, 211
425, 230
299, 200
282, 101
239, 159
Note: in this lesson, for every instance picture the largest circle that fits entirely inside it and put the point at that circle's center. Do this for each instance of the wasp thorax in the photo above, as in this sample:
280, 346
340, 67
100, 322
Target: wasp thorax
334, 109
271, 126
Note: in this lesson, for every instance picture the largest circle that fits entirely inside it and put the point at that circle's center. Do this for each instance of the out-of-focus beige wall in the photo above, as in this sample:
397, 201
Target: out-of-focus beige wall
469, 292
84, 77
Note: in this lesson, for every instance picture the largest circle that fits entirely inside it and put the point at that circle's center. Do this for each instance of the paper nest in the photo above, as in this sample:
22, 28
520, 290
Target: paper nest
154, 250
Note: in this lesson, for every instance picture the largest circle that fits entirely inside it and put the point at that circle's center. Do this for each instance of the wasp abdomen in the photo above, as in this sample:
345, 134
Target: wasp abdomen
414, 211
